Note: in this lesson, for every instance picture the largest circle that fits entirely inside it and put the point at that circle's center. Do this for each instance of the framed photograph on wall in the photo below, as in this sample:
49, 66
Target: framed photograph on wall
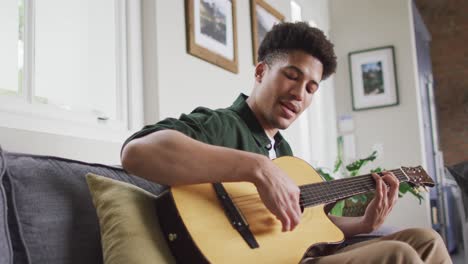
212, 31
264, 17
373, 78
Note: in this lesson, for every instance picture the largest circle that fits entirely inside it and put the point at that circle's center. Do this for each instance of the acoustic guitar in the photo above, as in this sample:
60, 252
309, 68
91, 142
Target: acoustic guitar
228, 223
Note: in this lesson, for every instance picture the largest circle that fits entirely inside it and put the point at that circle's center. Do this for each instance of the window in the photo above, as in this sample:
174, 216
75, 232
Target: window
296, 11
11, 51
65, 67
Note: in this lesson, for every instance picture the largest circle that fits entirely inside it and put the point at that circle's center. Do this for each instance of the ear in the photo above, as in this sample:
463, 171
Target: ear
260, 70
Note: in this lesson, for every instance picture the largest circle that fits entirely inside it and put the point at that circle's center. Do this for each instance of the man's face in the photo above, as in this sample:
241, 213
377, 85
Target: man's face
285, 89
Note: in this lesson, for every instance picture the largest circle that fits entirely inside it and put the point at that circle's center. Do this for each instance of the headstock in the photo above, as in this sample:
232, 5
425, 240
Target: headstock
418, 176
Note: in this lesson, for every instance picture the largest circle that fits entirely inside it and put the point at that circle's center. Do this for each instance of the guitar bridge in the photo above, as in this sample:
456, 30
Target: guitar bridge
234, 215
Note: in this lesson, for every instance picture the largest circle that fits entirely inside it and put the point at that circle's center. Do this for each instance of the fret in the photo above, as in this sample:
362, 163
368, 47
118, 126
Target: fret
331, 191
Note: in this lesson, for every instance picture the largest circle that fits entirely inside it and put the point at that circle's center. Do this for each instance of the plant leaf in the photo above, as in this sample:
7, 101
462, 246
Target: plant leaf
337, 165
325, 174
337, 210
339, 158
355, 166
405, 187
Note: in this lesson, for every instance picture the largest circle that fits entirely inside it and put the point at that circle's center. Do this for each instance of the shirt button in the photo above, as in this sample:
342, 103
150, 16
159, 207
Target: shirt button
268, 146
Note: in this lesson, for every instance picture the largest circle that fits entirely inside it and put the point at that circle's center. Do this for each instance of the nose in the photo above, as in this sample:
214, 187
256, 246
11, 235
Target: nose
298, 92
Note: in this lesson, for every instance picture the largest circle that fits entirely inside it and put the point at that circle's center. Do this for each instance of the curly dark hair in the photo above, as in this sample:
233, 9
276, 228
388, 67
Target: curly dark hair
285, 37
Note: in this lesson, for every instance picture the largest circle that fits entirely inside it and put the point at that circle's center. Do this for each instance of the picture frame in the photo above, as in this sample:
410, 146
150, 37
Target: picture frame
263, 18
212, 32
373, 78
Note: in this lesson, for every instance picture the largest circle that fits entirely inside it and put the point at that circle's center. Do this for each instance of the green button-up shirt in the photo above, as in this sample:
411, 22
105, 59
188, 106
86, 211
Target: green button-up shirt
233, 127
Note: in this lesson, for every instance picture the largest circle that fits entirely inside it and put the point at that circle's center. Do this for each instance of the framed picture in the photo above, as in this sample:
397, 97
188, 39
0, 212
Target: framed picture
212, 32
373, 78
264, 17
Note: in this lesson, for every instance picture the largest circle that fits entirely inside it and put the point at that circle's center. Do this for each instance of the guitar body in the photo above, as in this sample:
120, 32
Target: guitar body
198, 230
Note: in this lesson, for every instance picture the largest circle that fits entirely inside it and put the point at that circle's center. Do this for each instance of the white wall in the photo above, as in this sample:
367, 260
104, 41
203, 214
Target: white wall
362, 24
184, 82
321, 115
176, 82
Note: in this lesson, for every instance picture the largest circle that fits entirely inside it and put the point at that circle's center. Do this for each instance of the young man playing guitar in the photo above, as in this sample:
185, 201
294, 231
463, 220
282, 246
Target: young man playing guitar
235, 144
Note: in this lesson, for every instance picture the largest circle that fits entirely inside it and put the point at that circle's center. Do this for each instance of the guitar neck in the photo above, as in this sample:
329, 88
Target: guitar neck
331, 191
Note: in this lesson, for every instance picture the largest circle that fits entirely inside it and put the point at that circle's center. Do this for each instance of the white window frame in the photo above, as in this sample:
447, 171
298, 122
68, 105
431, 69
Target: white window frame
22, 112
295, 5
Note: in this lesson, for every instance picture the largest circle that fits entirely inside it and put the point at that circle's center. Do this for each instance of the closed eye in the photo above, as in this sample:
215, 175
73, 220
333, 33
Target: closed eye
291, 75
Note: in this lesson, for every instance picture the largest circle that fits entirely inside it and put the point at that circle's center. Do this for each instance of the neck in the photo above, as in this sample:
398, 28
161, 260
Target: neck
269, 130
332, 191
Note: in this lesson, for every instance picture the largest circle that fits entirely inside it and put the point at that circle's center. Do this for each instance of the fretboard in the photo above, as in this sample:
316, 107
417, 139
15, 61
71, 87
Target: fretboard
331, 191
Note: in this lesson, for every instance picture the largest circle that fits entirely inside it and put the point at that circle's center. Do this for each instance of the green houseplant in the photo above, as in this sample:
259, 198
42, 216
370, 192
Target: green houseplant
355, 206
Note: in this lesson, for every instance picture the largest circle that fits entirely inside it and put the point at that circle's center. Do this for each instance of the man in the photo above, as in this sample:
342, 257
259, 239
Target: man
236, 144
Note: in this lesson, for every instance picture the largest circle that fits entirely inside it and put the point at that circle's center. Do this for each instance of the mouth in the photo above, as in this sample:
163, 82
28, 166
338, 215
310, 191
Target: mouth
289, 109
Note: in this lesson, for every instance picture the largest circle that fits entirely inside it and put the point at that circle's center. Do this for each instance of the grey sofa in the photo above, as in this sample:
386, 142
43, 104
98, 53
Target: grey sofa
46, 211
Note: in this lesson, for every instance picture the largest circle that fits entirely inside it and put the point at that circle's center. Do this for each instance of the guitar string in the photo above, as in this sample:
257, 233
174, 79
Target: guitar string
309, 202
319, 186
318, 191
258, 204
310, 197
317, 194
397, 173
353, 180
342, 184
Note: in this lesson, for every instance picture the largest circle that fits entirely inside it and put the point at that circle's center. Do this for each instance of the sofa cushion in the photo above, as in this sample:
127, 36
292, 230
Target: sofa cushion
53, 215
6, 253
130, 231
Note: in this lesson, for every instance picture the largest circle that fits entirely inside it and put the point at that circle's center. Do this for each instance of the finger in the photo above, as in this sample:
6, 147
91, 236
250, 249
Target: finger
390, 178
385, 202
292, 201
384, 198
292, 211
296, 216
378, 187
391, 196
293, 220
285, 221
393, 184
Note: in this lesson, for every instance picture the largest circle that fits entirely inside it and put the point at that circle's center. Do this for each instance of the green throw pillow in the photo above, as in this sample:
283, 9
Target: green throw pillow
130, 231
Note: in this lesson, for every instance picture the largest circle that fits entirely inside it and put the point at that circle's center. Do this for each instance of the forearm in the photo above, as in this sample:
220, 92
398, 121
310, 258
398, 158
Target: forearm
171, 158
350, 226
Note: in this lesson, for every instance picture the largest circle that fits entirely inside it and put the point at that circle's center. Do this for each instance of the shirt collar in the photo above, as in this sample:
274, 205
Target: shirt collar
241, 107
